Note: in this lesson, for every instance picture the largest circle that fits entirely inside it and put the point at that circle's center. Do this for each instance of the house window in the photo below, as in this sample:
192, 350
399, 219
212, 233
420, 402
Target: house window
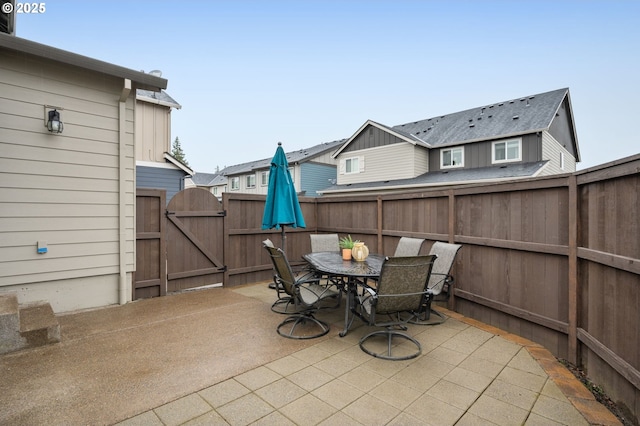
351, 165
251, 181
264, 178
562, 161
292, 174
235, 183
507, 151
215, 190
452, 157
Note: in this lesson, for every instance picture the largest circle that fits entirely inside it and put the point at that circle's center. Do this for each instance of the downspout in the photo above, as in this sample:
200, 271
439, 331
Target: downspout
122, 195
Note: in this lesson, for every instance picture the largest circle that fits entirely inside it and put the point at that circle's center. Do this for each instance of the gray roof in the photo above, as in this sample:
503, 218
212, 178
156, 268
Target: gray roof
493, 121
161, 98
204, 179
450, 177
293, 157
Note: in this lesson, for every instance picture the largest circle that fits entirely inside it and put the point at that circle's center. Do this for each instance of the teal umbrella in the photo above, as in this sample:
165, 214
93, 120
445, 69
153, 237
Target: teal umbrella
282, 207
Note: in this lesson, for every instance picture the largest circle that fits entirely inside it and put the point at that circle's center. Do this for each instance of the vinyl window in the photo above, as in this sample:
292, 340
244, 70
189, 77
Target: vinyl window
452, 157
507, 151
251, 181
235, 183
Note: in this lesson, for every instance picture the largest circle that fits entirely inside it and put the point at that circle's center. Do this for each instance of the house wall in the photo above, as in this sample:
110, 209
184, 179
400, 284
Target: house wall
64, 189
479, 154
389, 162
372, 137
561, 129
153, 131
552, 151
316, 177
169, 179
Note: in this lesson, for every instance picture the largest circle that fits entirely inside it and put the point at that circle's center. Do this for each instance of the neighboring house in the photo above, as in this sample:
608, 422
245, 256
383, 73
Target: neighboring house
67, 200
312, 169
155, 166
216, 183
524, 137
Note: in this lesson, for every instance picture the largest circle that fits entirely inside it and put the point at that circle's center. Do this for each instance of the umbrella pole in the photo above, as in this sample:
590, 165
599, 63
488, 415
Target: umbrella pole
284, 240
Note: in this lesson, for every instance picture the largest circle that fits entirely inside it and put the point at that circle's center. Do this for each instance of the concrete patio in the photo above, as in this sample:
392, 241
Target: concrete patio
213, 357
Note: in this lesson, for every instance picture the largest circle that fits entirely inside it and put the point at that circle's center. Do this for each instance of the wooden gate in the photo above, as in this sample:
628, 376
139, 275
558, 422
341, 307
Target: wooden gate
195, 230
150, 278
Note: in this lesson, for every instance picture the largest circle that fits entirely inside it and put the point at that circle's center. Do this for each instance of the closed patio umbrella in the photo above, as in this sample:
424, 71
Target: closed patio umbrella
282, 207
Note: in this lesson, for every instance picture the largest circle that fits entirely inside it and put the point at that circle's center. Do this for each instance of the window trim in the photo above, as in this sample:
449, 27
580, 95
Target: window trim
264, 178
235, 183
350, 160
453, 148
247, 182
506, 159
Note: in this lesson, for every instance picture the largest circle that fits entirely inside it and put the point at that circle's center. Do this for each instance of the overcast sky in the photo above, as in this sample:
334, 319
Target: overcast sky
251, 73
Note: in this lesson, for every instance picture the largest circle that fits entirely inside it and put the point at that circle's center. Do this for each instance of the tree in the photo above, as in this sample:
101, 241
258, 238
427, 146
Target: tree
178, 153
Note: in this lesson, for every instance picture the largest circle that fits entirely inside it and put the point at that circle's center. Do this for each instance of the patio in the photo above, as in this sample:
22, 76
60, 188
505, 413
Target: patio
213, 357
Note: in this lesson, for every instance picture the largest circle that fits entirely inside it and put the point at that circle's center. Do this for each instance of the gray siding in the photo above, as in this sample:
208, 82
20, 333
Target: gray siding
479, 154
316, 177
371, 137
171, 180
561, 129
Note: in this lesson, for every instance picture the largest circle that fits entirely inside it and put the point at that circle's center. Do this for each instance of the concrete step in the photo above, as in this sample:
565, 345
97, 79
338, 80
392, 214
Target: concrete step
26, 326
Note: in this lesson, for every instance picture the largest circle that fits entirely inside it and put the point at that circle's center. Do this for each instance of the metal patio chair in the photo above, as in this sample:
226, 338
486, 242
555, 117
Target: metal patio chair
401, 288
440, 283
305, 294
408, 246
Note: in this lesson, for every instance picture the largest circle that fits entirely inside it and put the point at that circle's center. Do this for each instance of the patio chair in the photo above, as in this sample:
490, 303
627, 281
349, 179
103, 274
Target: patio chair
328, 242
401, 287
440, 283
324, 242
304, 293
408, 246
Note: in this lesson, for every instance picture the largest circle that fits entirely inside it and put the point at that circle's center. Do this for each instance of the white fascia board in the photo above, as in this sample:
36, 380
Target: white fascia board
178, 164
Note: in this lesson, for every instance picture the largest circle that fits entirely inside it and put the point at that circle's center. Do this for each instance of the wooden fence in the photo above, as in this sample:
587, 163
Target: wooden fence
555, 260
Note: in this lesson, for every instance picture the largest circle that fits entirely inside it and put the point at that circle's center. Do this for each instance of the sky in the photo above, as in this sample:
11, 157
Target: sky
250, 74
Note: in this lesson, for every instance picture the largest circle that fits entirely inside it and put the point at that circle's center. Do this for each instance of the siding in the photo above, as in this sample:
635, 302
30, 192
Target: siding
478, 154
63, 189
561, 129
171, 180
372, 137
551, 151
153, 132
390, 162
316, 177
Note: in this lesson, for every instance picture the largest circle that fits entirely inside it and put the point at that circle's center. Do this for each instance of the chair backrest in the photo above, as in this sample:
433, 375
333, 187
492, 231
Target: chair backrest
408, 247
281, 267
402, 283
446, 255
324, 242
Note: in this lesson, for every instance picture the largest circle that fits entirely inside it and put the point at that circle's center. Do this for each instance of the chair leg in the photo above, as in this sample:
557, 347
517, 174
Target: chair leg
423, 316
388, 355
301, 320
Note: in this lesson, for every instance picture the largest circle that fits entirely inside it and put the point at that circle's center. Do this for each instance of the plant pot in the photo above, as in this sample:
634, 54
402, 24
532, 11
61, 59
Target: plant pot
346, 254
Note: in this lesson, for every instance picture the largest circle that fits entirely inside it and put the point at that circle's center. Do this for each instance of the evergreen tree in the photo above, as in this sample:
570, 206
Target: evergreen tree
178, 153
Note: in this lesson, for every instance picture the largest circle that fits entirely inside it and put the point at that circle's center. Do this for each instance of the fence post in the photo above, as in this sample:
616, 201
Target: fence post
573, 270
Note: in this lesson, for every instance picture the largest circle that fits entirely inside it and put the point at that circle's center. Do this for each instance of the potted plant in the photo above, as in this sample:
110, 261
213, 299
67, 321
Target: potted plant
346, 244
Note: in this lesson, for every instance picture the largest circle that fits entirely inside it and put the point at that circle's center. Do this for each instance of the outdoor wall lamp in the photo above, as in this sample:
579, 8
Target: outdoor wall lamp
52, 118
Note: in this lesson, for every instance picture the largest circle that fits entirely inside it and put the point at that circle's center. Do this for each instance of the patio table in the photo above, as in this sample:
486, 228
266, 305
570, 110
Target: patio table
331, 263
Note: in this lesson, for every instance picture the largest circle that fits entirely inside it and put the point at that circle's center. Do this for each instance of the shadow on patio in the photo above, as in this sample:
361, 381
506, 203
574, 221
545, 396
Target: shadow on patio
213, 357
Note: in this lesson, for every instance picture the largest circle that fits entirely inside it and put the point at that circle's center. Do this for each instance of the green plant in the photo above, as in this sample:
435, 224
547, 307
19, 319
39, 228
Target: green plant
347, 242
